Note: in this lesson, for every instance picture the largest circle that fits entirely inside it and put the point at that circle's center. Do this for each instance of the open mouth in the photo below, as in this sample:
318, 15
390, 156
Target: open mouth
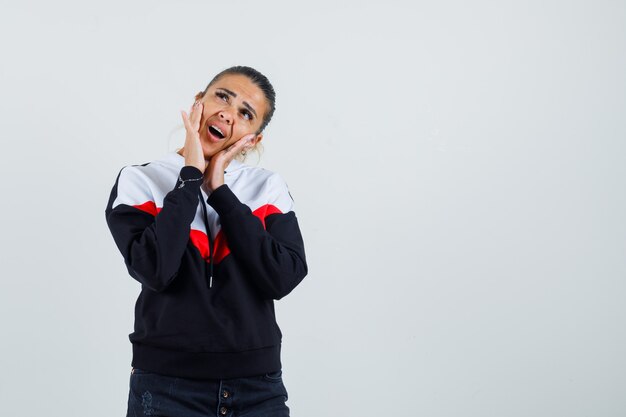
216, 132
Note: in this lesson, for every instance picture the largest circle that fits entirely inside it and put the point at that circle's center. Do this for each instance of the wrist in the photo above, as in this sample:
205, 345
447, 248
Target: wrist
189, 175
214, 185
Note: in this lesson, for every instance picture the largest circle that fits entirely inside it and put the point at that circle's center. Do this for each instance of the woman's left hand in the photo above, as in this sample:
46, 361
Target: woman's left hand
214, 173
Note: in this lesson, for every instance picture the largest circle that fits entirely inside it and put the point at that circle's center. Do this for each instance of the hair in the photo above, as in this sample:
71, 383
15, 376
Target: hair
262, 82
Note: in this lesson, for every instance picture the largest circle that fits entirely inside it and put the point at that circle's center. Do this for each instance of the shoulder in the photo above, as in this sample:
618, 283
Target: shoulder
134, 175
155, 174
278, 192
133, 184
269, 186
268, 180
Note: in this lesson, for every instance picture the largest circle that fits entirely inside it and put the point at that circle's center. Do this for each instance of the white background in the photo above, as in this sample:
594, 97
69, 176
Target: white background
458, 172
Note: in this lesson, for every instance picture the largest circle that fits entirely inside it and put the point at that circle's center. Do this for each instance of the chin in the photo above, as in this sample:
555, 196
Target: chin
209, 152
207, 149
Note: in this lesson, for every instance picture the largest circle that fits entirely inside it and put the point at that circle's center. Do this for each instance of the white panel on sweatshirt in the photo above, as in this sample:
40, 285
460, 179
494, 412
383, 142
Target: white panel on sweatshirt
253, 186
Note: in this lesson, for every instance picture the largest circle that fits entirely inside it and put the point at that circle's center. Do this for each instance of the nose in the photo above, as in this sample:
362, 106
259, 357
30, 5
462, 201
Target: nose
226, 117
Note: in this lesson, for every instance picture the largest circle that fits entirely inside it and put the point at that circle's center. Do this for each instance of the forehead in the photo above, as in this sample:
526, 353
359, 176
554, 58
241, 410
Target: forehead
245, 89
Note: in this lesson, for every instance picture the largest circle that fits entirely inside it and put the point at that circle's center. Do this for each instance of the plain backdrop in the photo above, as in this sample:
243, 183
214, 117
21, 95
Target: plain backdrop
458, 170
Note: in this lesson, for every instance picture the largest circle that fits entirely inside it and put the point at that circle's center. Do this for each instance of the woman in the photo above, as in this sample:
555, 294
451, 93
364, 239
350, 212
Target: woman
213, 243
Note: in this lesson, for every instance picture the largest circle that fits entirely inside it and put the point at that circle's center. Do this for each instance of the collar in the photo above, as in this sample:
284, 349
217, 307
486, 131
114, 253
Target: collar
177, 160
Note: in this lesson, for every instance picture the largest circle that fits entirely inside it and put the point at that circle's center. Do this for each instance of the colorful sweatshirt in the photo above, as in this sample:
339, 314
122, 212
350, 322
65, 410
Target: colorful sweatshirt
210, 266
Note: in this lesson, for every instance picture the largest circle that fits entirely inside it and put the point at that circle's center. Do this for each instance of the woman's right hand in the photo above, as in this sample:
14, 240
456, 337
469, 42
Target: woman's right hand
192, 151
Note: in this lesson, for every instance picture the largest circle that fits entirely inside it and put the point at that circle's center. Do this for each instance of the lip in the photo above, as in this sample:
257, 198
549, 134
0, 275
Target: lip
214, 138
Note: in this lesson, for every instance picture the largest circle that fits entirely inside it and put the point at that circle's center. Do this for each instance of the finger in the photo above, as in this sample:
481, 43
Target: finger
235, 147
246, 140
185, 119
233, 150
190, 114
229, 150
240, 145
187, 122
197, 112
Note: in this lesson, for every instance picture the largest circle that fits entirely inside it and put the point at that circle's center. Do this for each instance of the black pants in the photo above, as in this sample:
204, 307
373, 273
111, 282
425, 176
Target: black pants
153, 394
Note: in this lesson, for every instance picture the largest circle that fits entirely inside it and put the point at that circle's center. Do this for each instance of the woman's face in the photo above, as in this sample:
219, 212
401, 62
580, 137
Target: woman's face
234, 106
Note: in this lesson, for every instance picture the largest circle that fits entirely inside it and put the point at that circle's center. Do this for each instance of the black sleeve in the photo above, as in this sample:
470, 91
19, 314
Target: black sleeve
273, 252
152, 241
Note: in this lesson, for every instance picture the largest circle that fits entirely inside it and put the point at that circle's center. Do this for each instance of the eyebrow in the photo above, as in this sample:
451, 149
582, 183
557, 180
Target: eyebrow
245, 103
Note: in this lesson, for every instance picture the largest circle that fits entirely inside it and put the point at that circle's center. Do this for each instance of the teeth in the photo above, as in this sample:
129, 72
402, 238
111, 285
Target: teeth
218, 129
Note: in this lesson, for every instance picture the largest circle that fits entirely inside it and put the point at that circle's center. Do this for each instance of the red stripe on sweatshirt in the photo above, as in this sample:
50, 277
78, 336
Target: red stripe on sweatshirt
199, 238
148, 207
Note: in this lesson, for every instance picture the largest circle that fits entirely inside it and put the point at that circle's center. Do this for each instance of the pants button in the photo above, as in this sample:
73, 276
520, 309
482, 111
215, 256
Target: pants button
223, 411
225, 394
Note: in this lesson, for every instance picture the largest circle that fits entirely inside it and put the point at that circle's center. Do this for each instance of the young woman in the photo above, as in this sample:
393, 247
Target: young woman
213, 243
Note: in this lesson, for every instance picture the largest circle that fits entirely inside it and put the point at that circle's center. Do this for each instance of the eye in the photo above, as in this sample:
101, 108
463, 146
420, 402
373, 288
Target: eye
221, 95
247, 114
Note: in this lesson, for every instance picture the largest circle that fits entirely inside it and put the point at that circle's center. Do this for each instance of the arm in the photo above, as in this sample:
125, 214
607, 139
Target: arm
152, 241
271, 250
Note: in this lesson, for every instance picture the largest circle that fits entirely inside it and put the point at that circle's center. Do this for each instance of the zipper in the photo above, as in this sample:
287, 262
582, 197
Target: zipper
209, 238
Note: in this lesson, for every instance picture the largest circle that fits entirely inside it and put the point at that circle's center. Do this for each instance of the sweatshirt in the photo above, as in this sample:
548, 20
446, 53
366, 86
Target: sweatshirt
210, 266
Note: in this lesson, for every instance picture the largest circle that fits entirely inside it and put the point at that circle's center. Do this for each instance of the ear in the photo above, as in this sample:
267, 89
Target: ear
257, 139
